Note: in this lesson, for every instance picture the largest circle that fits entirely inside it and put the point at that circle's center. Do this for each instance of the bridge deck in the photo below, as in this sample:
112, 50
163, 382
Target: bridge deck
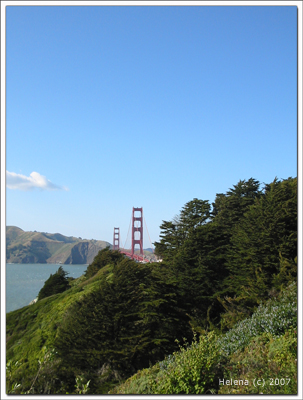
136, 257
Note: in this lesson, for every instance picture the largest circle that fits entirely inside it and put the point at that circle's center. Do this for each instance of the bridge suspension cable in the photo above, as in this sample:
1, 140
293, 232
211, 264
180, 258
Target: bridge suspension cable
127, 233
152, 247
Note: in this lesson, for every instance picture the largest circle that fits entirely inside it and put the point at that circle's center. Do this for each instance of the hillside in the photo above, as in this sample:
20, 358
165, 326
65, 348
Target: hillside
221, 306
262, 345
41, 247
65, 339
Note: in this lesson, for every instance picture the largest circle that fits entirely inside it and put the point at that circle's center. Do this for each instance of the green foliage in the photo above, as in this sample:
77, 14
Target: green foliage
196, 247
264, 241
128, 322
32, 329
56, 283
173, 233
103, 258
228, 209
263, 346
171, 239
191, 370
275, 318
82, 385
33, 382
226, 261
194, 214
286, 273
270, 360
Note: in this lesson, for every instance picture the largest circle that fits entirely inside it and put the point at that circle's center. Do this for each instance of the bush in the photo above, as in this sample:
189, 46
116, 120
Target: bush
192, 370
271, 360
274, 317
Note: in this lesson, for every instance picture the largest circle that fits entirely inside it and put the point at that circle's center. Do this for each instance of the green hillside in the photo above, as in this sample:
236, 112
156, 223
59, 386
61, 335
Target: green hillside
260, 346
66, 340
99, 314
217, 315
42, 247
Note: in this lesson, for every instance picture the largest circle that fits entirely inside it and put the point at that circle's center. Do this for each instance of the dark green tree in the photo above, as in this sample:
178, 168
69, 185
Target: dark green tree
130, 321
103, 258
229, 208
262, 253
56, 283
266, 235
170, 239
173, 233
195, 213
196, 246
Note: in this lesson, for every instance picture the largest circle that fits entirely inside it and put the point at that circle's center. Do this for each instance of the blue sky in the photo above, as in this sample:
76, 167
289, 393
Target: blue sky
109, 108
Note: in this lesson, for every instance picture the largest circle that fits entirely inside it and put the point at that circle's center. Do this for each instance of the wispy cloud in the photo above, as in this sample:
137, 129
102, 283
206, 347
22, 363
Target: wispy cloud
35, 180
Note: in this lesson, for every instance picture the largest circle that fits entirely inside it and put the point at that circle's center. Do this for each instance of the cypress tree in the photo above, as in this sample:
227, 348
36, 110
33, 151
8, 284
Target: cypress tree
129, 321
56, 283
265, 237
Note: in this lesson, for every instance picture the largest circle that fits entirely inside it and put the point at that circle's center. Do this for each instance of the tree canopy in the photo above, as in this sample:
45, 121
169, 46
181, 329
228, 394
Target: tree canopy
241, 248
128, 322
56, 283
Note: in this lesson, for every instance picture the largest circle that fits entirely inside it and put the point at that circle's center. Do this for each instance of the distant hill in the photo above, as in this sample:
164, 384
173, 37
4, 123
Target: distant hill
52, 248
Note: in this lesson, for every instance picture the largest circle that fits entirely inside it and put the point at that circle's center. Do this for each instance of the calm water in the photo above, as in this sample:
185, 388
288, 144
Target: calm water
24, 281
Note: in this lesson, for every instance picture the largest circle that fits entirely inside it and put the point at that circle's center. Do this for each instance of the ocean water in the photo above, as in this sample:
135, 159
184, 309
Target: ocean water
24, 281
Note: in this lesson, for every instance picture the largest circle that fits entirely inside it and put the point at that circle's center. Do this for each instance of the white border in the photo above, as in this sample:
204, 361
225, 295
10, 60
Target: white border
150, 3
3, 169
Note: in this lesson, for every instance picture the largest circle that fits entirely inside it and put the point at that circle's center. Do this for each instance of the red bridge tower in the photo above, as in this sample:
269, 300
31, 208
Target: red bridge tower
137, 230
116, 240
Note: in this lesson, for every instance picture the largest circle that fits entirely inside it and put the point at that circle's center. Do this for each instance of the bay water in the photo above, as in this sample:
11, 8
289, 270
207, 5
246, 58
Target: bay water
24, 281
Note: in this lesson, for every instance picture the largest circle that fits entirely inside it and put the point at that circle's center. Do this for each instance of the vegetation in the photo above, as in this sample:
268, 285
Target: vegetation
257, 347
56, 283
228, 258
130, 322
102, 259
225, 290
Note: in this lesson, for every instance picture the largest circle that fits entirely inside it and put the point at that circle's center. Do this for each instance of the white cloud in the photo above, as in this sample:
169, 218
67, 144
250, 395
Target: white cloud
35, 180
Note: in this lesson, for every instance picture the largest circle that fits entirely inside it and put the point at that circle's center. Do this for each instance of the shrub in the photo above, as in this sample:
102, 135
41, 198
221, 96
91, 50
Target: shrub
192, 370
274, 317
271, 360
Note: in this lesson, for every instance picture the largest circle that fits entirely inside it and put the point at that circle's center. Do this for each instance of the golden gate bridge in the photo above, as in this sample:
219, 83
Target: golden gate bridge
136, 237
